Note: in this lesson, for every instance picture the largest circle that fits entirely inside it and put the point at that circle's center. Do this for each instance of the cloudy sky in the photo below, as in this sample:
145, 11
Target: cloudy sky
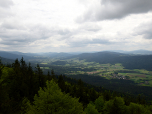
75, 25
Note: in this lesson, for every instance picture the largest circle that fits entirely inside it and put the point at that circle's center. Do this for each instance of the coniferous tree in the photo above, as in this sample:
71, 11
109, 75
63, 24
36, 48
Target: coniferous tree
61, 83
31, 82
51, 100
40, 78
80, 90
52, 74
4, 97
48, 76
1, 68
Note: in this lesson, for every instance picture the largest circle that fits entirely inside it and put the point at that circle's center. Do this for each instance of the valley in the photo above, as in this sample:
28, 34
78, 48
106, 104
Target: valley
121, 72
109, 71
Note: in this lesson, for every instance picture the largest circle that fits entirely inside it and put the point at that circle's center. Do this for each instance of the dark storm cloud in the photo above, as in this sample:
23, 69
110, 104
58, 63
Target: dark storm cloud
145, 30
116, 9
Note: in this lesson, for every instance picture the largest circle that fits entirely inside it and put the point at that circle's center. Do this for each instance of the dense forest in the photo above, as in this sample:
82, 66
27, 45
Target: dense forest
24, 90
123, 86
127, 60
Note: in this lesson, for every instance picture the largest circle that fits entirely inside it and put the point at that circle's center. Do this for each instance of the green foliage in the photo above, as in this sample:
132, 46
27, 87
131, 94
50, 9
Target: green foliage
1, 68
24, 105
52, 100
115, 106
90, 109
20, 83
99, 103
149, 108
138, 109
4, 88
93, 94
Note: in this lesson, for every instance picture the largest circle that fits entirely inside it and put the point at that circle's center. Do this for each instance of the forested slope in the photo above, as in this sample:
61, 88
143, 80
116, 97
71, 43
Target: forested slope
128, 61
23, 90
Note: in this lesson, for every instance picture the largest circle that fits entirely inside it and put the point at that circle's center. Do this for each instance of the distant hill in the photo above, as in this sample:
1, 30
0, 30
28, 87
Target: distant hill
135, 52
45, 54
24, 54
13, 56
127, 60
141, 52
100, 57
6, 61
58, 55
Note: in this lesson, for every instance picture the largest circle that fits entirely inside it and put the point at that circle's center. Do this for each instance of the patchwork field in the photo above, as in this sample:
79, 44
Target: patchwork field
109, 71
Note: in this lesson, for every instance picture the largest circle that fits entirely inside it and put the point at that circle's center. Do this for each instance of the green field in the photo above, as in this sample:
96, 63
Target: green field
75, 66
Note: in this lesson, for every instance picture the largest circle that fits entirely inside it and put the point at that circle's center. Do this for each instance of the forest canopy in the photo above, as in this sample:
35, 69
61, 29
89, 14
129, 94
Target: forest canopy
24, 90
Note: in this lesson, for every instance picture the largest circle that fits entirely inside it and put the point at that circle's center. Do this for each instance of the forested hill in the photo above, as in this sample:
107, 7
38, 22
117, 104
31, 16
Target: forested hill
27, 91
127, 60
6, 61
28, 56
11, 55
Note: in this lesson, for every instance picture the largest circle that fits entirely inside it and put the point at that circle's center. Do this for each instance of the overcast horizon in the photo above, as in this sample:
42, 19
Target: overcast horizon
75, 25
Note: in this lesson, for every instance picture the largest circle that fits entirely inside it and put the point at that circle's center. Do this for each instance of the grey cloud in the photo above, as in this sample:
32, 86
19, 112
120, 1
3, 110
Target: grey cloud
5, 13
83, 43
12, 25
63, 31
145, 30
6, 3
85, 28
116, 9
12, 35
100, 41
148, 34
12, 43
5, 8
90, 27
17, 34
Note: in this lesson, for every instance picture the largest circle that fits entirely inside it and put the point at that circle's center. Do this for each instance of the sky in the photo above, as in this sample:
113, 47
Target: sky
75, 25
